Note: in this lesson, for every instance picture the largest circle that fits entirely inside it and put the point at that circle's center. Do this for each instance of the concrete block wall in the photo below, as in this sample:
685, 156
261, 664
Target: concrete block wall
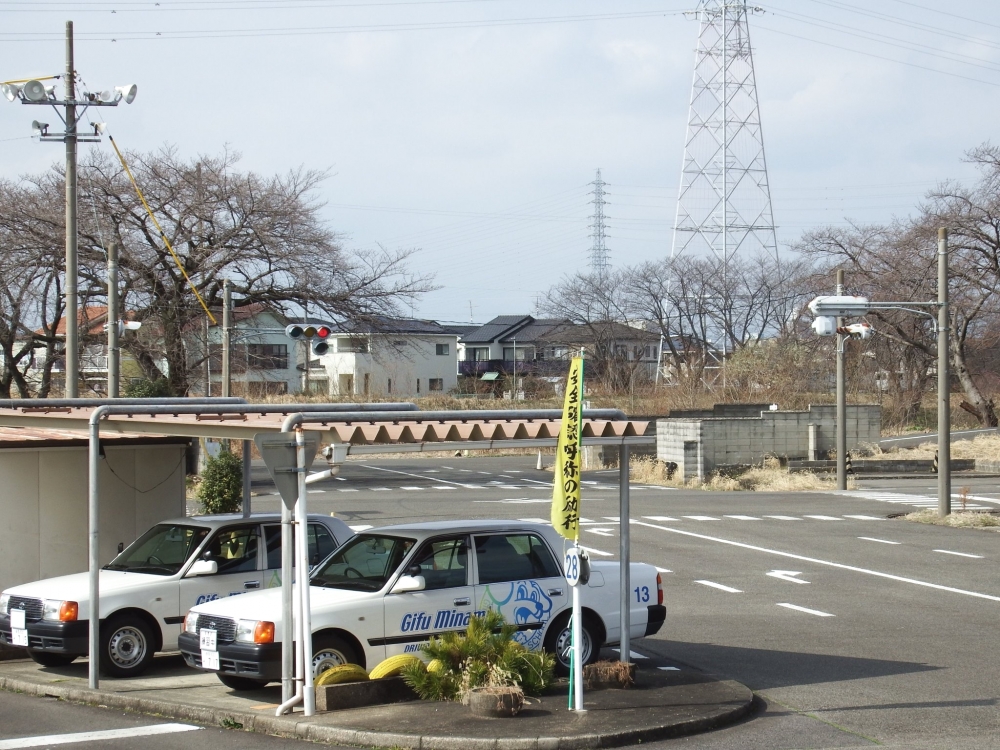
747, 440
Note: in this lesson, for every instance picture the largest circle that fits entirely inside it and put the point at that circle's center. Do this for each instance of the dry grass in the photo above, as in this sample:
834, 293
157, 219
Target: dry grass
984, 446
966, 520
770, 477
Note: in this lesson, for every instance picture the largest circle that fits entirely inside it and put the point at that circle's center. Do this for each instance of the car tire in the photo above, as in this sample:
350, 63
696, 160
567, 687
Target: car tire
557, 642
48, 659
233, 682
331, 650
126, 646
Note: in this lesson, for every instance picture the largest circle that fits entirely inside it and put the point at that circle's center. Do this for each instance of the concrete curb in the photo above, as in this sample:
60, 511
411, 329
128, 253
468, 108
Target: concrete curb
307, 729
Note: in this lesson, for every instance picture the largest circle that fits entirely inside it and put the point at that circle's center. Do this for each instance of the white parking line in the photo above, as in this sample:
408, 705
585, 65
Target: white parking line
412, 489
825, 518
345, 489
598, 552
380, 489
632, 654
534, 520
360, 527
100, 736
660, 518
865, 518
702, 518
744, 518
662, 570
670, 669
409, 474
784, 518
829, 563
720, 587
873, 539
960, 554
442, 487
808, 611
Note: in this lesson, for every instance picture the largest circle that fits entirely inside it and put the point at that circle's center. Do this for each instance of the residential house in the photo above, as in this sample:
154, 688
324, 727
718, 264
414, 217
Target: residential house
401, 357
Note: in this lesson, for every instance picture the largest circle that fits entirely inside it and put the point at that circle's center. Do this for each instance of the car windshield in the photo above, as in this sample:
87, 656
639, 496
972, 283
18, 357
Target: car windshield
161, 551
365, 563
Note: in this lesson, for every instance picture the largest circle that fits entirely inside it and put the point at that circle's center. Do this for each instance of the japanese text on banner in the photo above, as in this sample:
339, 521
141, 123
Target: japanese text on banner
566, 483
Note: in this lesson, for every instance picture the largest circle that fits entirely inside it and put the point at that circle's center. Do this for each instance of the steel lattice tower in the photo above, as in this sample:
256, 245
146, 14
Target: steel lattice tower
724, 201
599, 250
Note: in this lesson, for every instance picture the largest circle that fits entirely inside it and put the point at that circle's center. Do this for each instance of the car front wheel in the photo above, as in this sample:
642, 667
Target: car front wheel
331, 650
560, 637
126, 646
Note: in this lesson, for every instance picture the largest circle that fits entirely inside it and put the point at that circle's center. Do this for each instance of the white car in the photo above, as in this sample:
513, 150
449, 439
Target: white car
388, 590
147, 589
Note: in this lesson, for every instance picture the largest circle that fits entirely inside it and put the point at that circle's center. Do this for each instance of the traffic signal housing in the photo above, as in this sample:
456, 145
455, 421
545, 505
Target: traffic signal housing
317, 335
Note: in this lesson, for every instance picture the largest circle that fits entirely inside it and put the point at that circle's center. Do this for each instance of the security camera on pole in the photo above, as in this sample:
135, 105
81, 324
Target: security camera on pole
35, 91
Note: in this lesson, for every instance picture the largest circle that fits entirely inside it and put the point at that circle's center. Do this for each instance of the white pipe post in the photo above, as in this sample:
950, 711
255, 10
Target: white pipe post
624, 549
302, 579
577, 650
94, 565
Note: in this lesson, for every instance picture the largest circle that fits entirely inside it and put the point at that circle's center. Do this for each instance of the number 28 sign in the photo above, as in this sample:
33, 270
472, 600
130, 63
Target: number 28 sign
576, 566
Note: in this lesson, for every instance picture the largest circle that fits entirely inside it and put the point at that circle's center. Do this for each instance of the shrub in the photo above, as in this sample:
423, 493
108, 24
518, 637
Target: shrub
158, 388
221, 488
484, 655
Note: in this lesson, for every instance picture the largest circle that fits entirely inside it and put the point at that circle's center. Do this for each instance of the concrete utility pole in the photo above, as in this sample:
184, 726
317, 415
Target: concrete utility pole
114, 372
841, 395
944, 380
227, 338
72, 388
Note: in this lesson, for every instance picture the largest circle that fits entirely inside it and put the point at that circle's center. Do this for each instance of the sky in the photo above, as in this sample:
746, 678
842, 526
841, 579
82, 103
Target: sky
469, 131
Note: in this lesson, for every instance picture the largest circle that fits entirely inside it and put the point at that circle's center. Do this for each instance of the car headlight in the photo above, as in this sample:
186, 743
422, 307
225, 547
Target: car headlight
191, 623
255, 631
4, 602
57, 609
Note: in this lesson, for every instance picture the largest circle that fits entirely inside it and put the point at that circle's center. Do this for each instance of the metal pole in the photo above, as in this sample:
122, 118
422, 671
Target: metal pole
94, 570
303, 616
208, 360
287, 632
246, 477
227, 338
944, 380
841, 396
624, 554
72, 342
114, 374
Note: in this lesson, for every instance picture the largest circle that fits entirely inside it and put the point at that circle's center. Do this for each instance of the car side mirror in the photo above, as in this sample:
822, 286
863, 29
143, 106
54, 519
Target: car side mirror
203, 568
409, 583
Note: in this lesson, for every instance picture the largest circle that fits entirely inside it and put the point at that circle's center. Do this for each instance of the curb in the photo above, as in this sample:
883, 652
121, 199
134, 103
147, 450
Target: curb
303, 728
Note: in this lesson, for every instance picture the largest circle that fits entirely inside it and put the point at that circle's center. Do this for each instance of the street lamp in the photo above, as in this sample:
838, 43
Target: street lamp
828, 308
34, 91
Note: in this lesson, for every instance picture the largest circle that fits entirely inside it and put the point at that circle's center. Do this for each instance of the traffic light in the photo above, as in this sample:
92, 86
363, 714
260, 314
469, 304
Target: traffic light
317, 334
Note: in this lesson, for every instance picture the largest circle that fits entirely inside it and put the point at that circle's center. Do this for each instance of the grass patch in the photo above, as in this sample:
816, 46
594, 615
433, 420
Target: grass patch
986, 447
964, 520
771, 476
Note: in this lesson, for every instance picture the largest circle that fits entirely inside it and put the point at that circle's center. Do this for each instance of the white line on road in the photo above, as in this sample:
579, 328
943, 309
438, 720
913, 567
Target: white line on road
601, 532
632, 654
662, 570
787, 575
670, 669
825, 518
418, 476
536, 481
442, 487
808, 611
344, 489
660, 518
865, 518
104, 735
784, 518
702, 518
744, 518
828, 563
720, 587
598, 552
534, 520
960, 554
873, 539
360, 527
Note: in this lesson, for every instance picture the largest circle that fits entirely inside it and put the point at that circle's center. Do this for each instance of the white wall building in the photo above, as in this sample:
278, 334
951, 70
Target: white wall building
405, 358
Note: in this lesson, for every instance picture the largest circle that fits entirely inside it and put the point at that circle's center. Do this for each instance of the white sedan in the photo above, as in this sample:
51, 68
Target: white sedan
388, 590
148, 587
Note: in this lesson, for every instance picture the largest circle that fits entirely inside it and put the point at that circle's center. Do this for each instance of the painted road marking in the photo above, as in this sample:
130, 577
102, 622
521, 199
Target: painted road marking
720, 587
601, 532
743, 518
825, 518
873, 539
828, 563
442, 487
360, 527
808, 611
670, 669
536, 481
380, 489
787, 575
409, 474
865, 518
343, 489
100, 736
598, 552
515, 501
340, 479
534, 520
413, 489
918, 501
784, 518
632, 654
660, 518
960, 554
662, 570
702, 518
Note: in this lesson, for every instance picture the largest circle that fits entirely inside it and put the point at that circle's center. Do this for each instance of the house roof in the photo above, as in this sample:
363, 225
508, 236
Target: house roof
87, 319
496, 328
537, 330
394, 325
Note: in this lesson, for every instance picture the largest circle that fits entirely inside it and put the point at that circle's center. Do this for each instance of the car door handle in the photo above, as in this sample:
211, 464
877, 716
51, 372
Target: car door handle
251, 584
555, 592
463, 601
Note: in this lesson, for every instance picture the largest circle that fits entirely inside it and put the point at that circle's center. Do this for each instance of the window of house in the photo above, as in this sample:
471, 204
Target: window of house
435, 384
267, 356
357, 345
441, 349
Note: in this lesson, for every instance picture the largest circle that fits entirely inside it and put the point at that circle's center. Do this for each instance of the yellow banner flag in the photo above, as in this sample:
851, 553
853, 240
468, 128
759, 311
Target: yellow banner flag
566, 483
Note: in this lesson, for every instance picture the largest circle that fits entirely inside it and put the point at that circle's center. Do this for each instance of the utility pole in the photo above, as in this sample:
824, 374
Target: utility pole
72, 388
227, 337
944, 380
208, 359
114, 372
841, 395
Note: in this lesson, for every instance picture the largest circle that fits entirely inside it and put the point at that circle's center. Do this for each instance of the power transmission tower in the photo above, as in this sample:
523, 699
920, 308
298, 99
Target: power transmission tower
724, 201
599, 250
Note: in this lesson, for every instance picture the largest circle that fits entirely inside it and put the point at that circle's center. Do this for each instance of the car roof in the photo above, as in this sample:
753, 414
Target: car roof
225, 519
433, 528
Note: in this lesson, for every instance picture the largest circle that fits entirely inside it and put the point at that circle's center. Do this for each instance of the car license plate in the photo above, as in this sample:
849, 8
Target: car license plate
19, 637
17, 619
209, 640
210, 659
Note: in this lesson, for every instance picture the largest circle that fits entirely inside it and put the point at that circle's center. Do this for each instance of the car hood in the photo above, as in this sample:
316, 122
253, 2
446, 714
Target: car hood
266, 604
76, 587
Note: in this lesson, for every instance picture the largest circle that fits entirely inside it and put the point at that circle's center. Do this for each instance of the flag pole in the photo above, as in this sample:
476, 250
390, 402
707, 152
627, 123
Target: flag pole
577, 667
